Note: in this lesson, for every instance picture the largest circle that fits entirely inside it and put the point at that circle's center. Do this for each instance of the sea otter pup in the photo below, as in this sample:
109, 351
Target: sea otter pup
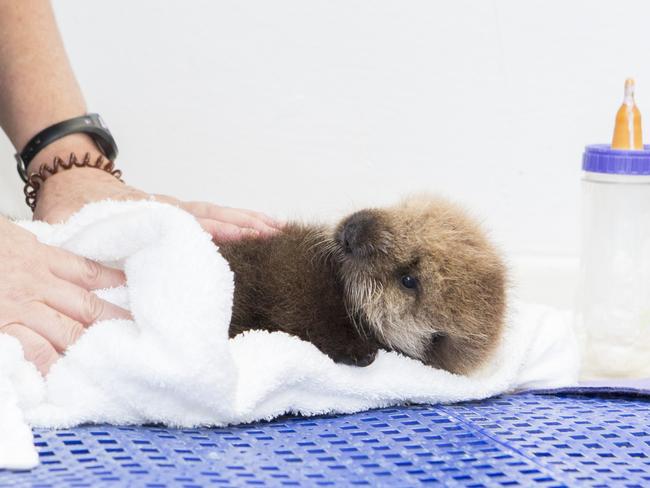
419, 278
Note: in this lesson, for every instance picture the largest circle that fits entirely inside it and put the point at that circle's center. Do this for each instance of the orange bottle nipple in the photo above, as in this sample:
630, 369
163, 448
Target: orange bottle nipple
627, 131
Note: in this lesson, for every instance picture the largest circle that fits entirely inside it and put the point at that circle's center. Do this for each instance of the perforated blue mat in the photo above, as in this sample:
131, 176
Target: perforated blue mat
529, 439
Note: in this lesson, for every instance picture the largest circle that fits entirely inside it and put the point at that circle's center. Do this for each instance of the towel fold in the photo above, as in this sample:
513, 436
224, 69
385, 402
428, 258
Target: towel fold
175, 365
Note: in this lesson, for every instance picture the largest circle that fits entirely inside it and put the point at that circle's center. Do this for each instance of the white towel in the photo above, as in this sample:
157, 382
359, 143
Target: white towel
174, 364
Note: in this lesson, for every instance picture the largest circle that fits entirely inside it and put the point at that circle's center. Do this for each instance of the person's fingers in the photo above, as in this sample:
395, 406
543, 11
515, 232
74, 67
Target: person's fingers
58, 329
36, 349
81, 305
165, 199
84, 272
230, 215
225, 232
263, 217
244, 220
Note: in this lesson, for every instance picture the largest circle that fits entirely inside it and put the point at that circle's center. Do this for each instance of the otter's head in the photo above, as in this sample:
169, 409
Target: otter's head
425, 280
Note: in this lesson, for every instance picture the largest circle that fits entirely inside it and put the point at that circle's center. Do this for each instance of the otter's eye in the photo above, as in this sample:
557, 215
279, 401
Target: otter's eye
409, 282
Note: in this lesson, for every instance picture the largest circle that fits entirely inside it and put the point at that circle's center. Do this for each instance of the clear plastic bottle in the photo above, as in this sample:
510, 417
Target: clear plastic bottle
614, 292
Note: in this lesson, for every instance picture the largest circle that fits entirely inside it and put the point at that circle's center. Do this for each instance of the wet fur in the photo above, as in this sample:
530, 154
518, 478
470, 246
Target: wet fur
349, 304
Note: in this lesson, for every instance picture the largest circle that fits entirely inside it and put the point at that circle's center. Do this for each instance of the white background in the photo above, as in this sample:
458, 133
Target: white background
308, 109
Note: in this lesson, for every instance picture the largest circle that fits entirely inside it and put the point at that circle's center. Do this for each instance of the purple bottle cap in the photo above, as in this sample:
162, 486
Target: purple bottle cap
601, 158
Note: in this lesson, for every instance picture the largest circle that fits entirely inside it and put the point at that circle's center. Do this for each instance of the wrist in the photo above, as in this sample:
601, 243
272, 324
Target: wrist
64, 192
78, 178
72, 177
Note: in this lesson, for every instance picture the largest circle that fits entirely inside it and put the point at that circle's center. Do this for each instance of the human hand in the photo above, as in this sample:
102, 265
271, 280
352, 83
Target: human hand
66, 192
45, 300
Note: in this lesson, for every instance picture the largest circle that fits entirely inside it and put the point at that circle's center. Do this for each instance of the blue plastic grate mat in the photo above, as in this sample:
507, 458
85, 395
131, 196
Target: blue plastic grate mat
526, 440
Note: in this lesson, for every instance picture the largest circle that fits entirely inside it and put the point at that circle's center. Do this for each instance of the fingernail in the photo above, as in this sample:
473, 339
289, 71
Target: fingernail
277, 224
267, 229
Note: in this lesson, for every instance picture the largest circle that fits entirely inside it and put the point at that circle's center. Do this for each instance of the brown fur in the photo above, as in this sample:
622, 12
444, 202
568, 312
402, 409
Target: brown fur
342, 289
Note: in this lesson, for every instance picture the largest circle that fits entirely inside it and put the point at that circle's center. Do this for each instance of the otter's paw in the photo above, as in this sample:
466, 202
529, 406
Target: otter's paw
355, 356
366, 359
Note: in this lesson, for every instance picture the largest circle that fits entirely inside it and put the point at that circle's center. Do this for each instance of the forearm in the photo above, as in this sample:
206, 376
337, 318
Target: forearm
38, 89
37, 85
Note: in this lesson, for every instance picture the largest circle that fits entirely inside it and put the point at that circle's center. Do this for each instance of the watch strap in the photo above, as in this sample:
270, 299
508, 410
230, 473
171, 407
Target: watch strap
91, 124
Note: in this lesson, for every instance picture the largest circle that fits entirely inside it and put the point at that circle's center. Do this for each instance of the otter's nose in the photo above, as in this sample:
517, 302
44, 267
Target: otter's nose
357, 232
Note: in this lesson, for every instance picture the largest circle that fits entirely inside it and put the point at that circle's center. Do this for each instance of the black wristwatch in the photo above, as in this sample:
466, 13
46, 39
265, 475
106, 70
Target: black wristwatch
91, 124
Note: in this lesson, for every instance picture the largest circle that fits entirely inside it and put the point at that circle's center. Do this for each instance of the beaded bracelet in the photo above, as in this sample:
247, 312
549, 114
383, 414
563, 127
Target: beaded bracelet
35, 180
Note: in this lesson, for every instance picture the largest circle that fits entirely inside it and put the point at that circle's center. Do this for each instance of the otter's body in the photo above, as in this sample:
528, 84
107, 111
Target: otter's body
419, 278
283, 283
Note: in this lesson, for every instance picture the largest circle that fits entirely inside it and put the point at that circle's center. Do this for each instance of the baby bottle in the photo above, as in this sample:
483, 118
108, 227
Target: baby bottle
614, 293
